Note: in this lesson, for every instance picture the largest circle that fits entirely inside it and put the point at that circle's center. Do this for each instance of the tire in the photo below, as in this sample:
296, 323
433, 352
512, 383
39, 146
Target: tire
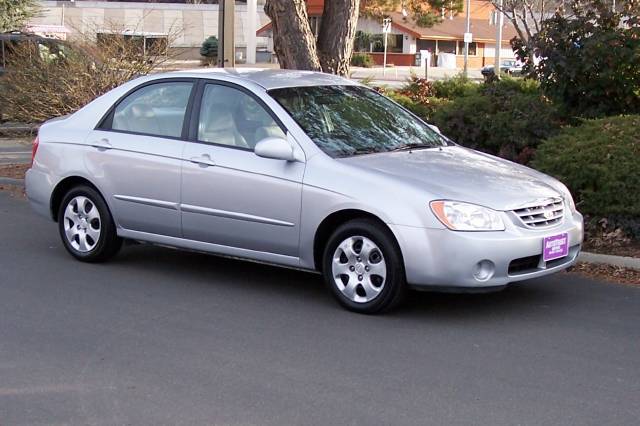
88, 232
361, 280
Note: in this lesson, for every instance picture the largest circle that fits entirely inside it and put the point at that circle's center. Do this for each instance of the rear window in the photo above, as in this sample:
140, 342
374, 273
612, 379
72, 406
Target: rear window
157, 109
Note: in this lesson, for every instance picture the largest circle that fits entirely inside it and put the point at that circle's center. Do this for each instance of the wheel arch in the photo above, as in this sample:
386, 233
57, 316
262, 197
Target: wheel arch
337, 218
63, 187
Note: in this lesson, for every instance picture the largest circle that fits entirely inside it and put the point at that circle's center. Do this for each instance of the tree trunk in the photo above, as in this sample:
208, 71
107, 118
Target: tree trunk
293, 41
338, 30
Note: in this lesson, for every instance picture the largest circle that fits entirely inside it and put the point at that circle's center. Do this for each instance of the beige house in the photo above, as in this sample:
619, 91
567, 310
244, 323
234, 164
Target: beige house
187, 25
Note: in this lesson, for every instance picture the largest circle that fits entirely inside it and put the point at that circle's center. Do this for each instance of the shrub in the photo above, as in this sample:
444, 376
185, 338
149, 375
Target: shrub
417, 89
209, 49
362, 60
47, 81
424, 109
599, 162
454, 87
508, 118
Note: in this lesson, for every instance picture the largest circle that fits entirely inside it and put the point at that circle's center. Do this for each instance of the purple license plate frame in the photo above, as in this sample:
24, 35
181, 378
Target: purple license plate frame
555, 247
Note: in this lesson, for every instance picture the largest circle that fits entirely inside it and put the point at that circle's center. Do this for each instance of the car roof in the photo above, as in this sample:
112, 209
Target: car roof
271, 78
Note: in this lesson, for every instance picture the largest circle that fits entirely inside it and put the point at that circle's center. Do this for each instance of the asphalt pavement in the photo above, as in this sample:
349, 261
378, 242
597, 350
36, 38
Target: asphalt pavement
159, 336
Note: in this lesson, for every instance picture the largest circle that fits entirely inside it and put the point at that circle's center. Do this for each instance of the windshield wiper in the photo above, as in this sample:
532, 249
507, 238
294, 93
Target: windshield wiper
410, 146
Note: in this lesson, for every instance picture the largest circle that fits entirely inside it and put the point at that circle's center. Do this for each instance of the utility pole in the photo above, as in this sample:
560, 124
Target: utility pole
250, 34
499, 23
467, 39
226, 40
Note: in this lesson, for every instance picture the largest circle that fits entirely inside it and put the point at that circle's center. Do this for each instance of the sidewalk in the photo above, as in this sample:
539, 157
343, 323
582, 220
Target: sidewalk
15, 150
399, 73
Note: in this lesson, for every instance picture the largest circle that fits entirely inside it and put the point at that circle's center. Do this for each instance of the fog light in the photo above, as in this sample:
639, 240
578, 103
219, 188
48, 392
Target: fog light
484, 270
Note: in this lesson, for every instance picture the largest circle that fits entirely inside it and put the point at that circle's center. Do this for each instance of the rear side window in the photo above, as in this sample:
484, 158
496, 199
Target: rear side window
157, 110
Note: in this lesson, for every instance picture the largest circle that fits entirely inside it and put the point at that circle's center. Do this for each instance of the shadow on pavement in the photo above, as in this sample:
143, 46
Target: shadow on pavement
213, 272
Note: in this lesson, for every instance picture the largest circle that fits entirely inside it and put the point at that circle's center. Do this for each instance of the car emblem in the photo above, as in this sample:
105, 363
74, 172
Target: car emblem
548, 214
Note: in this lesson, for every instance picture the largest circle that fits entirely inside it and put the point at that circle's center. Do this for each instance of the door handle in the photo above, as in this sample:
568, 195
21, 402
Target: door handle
203, 160
102, 144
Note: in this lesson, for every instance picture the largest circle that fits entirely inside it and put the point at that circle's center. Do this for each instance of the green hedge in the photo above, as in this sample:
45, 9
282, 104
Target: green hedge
508, 118
362, 60
600, 163
424, 109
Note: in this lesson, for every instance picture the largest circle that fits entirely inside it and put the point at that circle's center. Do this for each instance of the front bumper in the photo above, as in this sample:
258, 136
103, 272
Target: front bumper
440, 258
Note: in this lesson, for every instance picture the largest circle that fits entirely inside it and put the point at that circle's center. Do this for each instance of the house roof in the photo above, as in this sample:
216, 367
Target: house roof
448, 29
452, 29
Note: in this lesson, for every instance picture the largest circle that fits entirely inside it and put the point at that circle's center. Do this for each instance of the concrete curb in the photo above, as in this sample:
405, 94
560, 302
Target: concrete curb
607, 259
10, 181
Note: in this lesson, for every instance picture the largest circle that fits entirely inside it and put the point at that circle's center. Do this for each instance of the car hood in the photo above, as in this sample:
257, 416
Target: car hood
462, 174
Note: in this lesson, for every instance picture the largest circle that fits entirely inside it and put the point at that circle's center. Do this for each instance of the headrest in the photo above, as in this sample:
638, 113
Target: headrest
142, 111
220, 121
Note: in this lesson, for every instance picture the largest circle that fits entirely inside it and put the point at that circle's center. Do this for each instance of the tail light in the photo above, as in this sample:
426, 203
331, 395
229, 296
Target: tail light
34, 149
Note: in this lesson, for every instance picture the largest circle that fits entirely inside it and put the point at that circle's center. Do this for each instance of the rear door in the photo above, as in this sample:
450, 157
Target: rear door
136, 151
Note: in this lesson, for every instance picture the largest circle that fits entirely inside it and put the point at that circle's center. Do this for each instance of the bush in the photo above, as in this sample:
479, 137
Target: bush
455, 87
424, 109
362, 60
48, 81
599, 162
209, 49
508, 118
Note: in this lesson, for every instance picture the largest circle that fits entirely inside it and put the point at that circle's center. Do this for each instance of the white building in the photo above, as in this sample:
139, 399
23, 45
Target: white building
188, 25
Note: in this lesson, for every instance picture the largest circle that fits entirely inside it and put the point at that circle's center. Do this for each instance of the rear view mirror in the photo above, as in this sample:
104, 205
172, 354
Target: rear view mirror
275, 148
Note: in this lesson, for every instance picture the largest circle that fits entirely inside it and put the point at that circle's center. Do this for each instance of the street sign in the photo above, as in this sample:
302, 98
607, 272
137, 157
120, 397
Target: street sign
468, 38
386, 26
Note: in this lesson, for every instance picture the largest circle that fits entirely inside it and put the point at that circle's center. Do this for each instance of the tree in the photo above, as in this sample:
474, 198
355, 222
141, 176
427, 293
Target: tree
527, 17
591, 57
14, 14
296, 46
209, 48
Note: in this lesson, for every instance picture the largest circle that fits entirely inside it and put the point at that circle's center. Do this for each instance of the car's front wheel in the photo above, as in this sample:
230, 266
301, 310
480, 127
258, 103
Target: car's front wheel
86, 226
362, 266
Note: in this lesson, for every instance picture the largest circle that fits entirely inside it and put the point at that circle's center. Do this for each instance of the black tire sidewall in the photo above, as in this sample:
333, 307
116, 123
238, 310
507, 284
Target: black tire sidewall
108, 240
395, 281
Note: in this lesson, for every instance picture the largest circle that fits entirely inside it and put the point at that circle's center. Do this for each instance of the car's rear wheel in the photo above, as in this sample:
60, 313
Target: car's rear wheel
86, 226
362, 266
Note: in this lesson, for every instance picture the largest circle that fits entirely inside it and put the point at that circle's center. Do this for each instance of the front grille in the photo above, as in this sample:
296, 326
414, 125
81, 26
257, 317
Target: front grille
543, 215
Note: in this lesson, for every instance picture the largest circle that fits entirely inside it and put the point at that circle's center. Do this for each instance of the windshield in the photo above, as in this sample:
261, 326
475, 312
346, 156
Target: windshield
351, 120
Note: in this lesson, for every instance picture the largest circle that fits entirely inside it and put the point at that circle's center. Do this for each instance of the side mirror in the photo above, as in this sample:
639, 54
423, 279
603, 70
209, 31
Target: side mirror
275, 148
434, 128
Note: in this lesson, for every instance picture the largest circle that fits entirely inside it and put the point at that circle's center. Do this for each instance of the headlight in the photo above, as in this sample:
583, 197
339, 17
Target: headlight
568, 198
459, 216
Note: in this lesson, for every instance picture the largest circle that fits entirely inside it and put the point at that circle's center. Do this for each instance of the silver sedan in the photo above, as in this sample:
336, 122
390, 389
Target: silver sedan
303, 170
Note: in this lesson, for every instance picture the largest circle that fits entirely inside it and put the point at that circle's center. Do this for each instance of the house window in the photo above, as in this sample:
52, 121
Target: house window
315, 22
394, 43
472, 48
429, 45
446, 46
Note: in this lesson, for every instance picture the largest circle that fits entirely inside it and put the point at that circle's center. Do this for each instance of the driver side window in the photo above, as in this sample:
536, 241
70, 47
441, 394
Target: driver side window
229, 116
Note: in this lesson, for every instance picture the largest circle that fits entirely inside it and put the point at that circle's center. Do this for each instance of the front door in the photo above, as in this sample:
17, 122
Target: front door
230, 196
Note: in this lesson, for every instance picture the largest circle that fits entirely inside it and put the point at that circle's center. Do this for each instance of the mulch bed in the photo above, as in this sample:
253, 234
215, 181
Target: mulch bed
609, 273
13, 190
631, 249
14, 171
